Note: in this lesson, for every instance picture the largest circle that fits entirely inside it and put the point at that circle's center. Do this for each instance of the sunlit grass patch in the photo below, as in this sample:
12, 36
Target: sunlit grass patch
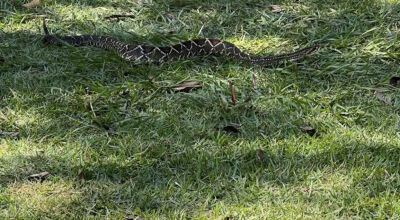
42, 199
118, 141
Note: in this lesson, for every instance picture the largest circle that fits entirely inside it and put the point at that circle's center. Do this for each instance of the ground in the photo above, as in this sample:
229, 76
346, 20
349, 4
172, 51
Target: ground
118, 142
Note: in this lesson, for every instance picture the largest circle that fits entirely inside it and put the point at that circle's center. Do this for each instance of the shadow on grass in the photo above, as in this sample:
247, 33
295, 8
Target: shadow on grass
87, 70
194, 176
191, 165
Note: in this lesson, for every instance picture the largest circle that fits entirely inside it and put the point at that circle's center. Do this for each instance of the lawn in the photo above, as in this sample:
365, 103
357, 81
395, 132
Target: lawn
119, 143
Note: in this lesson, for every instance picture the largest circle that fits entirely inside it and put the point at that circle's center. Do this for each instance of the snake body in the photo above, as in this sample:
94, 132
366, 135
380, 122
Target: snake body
140, 54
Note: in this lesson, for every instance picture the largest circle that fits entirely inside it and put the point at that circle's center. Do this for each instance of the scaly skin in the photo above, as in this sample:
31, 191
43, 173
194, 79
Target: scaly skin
140, 54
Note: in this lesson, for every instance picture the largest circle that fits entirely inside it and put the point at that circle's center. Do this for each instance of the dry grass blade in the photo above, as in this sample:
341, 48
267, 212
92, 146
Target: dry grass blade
39, 176
275, 8
254, 80
119, 16
187, 86
80, 174
232, 92
381, 97
309, 130
259, 155
32, 4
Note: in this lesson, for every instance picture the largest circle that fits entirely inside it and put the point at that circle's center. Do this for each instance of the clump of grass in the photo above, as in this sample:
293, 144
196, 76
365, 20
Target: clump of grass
119, 143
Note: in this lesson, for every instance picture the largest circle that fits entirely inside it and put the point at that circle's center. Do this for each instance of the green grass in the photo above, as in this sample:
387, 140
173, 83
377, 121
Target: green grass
131, 147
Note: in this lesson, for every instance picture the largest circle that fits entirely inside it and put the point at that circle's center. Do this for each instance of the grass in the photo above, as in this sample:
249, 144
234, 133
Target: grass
119, 143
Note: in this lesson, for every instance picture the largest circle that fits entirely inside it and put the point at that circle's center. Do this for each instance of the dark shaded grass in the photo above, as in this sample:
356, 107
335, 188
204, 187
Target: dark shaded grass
118, 142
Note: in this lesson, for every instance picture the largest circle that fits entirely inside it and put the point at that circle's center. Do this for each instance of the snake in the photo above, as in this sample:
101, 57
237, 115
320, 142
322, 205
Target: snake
145, 54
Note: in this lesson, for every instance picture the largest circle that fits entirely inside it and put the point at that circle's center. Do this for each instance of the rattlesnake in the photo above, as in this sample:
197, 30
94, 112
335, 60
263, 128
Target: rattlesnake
140, 54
